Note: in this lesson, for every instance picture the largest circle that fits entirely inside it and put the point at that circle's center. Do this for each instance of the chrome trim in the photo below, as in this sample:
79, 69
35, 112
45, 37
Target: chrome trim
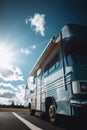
79, 102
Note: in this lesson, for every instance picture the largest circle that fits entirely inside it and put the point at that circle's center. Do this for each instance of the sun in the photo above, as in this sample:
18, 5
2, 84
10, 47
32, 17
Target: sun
6, 56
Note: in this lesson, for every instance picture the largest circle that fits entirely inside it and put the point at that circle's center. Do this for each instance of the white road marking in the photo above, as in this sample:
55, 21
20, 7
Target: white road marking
27, 123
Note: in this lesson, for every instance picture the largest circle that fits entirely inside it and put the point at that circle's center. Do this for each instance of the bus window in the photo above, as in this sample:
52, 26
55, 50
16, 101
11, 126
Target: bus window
76, 53
69, 59
45, 73
52, 69
52, 65
57, 64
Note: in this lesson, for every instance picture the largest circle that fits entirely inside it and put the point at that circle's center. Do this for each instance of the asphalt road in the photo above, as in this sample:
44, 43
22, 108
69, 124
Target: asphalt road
9, 122
62, 123
44, 124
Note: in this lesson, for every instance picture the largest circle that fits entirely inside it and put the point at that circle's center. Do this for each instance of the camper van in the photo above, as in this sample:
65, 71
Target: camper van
57, 83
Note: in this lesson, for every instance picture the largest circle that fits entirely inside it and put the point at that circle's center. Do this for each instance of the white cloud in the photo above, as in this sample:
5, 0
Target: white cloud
4, 101
21, 88
29, 50
33, 47
7, 96
27, 21
37, 23
11, 74
26, 51
20, 95
8, 85
3, 91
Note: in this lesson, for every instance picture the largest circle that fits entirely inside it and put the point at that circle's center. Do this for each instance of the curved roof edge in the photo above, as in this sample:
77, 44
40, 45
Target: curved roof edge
71, 30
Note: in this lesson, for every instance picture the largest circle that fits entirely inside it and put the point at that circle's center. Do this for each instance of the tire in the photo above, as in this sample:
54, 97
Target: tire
52, 113
32, 112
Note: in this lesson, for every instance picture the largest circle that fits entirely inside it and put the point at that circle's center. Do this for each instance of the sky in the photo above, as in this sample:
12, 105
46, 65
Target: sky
26, 26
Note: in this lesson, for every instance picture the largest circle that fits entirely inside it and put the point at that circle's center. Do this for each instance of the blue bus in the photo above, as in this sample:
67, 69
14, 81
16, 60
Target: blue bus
57, 83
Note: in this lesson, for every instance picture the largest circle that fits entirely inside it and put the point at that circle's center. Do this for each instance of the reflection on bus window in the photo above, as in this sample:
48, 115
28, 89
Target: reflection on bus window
52, 65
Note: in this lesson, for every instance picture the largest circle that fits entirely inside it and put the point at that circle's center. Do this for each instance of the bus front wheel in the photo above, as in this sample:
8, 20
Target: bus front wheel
52, 113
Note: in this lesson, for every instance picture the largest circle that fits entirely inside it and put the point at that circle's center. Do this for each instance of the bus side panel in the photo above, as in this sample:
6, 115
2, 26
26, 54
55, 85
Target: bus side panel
33, 101
43, 101
55, 88
38, 102
63, 102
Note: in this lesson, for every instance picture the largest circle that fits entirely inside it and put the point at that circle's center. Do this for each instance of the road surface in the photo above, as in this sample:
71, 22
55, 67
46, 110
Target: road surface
62, 123
23, 121
9, 122
13, 121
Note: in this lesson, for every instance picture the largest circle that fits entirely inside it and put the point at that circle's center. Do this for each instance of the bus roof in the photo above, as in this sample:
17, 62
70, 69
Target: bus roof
48, 48
67, 32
